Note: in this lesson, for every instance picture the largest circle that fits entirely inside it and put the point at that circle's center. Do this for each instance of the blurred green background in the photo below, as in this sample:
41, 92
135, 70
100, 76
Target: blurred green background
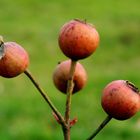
35, 24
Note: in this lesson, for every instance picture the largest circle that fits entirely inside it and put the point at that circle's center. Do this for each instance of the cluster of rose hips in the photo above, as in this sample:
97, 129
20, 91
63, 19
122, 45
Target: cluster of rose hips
77, 40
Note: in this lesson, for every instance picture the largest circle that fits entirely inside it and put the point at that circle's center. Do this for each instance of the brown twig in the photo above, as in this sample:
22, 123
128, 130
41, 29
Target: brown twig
70, 86
101, 126
47, 99
65, 123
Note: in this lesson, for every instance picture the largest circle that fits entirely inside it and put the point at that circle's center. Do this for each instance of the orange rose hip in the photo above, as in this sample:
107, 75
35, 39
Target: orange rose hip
120, 99
14, 61
78, 39
61, 75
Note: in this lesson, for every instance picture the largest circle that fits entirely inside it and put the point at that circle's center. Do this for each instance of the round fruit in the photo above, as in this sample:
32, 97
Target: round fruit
78, 39
120, 99
14, 61
61, 75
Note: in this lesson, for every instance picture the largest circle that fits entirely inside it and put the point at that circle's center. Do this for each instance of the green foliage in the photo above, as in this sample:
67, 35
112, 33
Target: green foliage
35, 25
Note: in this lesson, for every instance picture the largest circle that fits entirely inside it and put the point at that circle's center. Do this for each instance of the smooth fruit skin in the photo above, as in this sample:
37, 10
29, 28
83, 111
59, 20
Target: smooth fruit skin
78, 39
61, 74
15, 60
120, 100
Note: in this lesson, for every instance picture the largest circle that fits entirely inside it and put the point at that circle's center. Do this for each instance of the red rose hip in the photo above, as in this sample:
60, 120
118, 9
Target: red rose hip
14, 61
61, 75
78, 39
120, 99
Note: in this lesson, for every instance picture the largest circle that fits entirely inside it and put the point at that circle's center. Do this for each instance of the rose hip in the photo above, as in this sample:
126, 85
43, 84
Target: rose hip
14, 61
61, 75
78, 39
120, 99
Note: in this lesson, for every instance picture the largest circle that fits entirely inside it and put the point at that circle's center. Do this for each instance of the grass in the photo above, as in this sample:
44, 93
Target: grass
35, 25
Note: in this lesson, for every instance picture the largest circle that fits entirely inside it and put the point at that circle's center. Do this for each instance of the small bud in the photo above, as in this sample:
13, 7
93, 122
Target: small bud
73, 121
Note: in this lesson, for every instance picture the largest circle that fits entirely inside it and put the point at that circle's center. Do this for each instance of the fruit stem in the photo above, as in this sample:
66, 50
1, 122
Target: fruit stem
70, 86
101, 126
47, 99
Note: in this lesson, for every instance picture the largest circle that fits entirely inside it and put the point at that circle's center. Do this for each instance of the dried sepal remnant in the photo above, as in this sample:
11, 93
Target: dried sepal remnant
132, 86
2, 48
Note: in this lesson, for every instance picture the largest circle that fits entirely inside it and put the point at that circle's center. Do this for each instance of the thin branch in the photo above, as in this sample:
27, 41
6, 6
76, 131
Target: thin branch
102, 125
45, 96
70, 86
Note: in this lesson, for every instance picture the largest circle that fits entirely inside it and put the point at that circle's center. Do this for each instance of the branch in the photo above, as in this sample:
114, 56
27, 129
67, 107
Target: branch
70, 86
101, 126
46, 98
